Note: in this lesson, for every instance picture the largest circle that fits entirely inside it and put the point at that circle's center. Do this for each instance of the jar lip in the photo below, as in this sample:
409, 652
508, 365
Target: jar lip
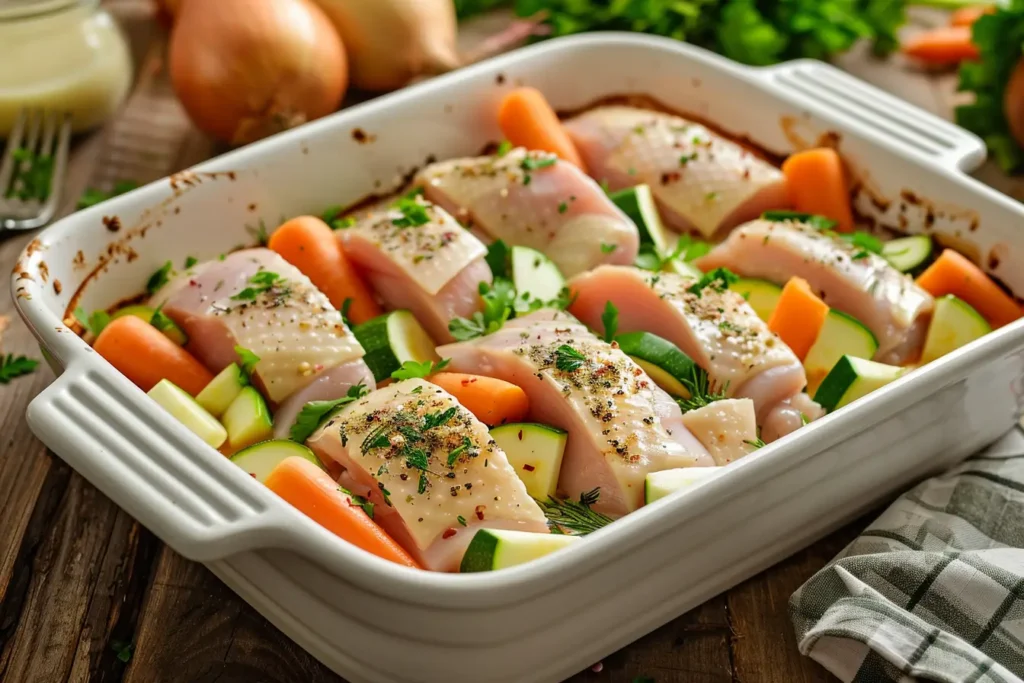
13, 10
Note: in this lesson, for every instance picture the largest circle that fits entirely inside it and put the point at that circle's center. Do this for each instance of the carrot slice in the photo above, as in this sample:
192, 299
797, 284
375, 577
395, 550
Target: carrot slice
312, 491
817, 184
493, 401
953, 273
311, 246
945, 45
966, 16
527, 120
145, 355
798, 316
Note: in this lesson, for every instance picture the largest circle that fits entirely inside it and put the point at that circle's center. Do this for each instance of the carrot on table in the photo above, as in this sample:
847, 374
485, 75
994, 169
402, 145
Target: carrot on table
953, 273
145, 355
311, 246
493, 401
966, 16
527, 120
817, 184
312, 491
945, 45
798, 316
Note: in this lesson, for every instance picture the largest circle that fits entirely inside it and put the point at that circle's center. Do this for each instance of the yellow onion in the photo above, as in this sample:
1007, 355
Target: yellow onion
244, 70
390, 42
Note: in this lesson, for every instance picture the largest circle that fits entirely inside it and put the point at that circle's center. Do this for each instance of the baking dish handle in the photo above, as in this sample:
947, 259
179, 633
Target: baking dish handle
152, 466
832, 94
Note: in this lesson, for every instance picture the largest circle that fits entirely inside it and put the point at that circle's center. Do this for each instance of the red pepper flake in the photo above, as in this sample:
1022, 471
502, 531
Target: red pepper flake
529, 468
448, 533
520, 434
480, 511
468, 380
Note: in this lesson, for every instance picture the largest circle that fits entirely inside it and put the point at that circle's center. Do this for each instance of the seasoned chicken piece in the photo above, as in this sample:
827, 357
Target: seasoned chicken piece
714, 326
256, 300
700, 180
532, 199
431, 469
416, 256
621, 425
848, 278
727, 428
330, 384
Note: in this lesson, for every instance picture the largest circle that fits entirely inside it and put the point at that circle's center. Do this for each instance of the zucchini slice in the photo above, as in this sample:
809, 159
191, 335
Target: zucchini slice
853, 378
638, 203
188, 412
260, 459
534, 275
909, 254
658, 485
841, 335
247, 419
662, 360
391, 339
763, 296
493, 549
535, 453
954, 324
222, 390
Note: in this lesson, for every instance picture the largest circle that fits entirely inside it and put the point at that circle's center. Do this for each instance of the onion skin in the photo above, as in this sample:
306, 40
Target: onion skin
1013, 103
244, 70
391, 42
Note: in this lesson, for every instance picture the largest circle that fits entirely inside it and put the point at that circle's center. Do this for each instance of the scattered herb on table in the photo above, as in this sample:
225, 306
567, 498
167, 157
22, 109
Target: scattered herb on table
13, 366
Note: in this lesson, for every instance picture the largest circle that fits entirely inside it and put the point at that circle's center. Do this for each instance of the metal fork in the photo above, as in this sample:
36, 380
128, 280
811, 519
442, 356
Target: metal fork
33, 168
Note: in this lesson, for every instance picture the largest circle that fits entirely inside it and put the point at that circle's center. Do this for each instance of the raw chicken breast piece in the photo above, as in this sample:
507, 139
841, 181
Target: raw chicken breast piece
716, 327
257, 300
426, 463
847, 278
330, 384
701, 181
535, 200
727, 428
621, 425
424, 262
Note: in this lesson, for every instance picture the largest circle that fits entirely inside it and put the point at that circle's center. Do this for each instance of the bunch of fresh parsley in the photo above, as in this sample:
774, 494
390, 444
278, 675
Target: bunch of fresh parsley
1000, 39
756, 32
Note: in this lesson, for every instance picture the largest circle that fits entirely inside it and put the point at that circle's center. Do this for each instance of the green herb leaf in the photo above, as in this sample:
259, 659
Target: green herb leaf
703, 392
412, 369
433, 420
316, 413
421, 486
160, 278
718, 280
93, 322
32, 176
122, 650
533, 163
756, 443
453, 457
572, 517
259, 233
190, 261
610, 320
15, 366
247, 360
498, 257
608, 248
504, 148
815, 221
160, 321
359, 501
414, 213
568, 359
346, 305
262, 281
865, 242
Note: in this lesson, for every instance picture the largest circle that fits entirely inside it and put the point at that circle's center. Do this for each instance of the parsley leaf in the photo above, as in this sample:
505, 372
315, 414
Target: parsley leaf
333, 217
453, 457
160, 321
504, 148
359, 501
568, 359
610, 320
815, 221
315, 413
533, 163
190, 261
93, 322
498, 254
15, 366
262, 281
608, 248
756, 443
432, 420
247, 359
413, 370
345, 306
718, 280
414, 214
160, 278
499, 303
865, 242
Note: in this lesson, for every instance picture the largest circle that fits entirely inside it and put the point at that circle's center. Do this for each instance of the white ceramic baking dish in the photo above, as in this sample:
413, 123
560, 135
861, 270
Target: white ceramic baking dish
374, 621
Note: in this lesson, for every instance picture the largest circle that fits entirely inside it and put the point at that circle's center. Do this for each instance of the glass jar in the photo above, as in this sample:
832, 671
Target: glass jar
67, 55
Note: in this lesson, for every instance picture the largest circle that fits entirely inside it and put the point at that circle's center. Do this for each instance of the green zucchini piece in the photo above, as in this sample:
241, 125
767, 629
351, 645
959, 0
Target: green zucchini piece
534, 275
535, 453
222, 390
247, 419
188, 412
853, 378
493, 549
954, 324
260, 459
391, 339
658, 485
662, 360
763, 296
841, 335
909, 254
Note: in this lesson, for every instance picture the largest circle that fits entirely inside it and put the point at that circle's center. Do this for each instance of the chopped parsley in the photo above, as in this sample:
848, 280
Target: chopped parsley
756, 443
815, 221
315, 413
608, 248
502, 302
261, 282
93, 322
190, 261
432, 420
718, 280
504, 148
563, 207
453, 457
687, 158
414, 214
568, 359
160, 321
345, 306
686, 249
247, 359
711, 196
610, 320
461, 520
359, 501
866, 244
160, 278
13, 366
532, 163
412, 369
333, 217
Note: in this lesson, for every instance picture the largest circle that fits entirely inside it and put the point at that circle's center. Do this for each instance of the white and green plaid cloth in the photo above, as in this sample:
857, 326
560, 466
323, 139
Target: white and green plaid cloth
933, 590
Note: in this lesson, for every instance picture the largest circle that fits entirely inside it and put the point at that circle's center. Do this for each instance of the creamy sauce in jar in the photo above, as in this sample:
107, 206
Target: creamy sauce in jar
61, 54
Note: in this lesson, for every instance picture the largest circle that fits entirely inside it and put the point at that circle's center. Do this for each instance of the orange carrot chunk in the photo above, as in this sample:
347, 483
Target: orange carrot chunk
946, 45
145, 355
493, 401
966, 16
312, 491
527, 120
798, 317
952, 273
817, 184
311, 246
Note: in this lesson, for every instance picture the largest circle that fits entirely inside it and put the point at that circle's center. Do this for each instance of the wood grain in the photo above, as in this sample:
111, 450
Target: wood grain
82, 586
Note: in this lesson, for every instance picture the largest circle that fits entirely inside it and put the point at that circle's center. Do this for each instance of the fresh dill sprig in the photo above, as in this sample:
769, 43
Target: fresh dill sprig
575, 517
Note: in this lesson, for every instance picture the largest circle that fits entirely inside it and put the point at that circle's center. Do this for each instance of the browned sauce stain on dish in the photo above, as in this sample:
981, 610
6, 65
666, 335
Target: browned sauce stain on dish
34, 246
79, 260
57, 287
112, 223
44, 271
362, 137
252, 207
500, 79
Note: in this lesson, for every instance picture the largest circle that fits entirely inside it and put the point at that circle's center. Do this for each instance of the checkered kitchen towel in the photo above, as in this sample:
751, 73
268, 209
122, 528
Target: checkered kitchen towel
933, 590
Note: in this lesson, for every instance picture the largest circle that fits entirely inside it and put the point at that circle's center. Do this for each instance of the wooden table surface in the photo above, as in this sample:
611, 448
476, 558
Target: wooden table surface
86, 594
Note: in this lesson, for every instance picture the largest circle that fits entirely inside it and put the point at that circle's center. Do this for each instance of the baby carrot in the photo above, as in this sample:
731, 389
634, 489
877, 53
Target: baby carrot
308, 244
312, 491
493, 401
946, 45
817, 185
527, 120
798, 316
952, 273
145, 355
